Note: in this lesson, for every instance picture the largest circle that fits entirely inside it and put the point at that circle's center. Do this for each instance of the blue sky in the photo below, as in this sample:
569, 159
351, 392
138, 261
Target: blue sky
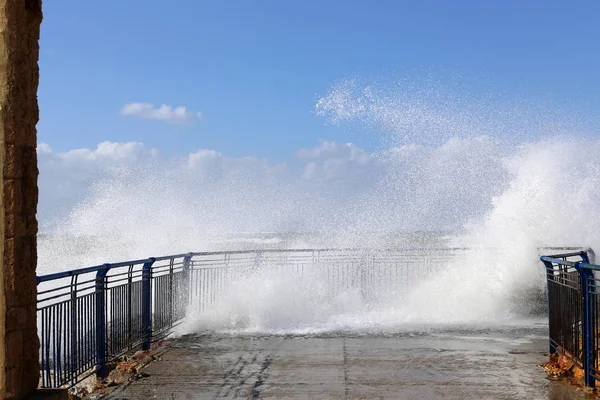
255, 69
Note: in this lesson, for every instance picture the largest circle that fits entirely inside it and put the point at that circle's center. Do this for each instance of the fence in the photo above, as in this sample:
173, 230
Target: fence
573, 305
371, 273
90, 316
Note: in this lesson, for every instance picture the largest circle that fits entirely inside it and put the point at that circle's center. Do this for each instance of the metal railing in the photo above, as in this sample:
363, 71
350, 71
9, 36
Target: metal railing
90, 316
573, 305
373, 274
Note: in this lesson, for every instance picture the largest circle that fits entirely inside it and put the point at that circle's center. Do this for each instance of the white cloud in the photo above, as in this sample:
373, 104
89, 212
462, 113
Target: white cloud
44, 148
165, 112
128, 194
332, 160
332, 185
66, 177
329, 149
105, 154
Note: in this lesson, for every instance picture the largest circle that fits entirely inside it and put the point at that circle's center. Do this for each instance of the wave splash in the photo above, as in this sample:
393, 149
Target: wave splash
500, 180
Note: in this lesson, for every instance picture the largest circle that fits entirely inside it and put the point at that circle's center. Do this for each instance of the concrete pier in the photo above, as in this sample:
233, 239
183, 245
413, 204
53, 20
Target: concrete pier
445, 365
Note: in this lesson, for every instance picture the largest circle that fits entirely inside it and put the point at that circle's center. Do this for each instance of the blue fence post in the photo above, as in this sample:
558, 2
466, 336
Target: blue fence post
147, 303
588, 322
587, 277
74, 329
592, 326
101, 320
549, 274
187, 262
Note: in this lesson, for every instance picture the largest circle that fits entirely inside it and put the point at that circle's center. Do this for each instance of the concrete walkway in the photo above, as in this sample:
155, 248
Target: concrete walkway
451, 365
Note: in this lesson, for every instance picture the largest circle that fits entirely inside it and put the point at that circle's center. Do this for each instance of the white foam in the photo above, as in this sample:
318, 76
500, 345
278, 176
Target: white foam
451, 164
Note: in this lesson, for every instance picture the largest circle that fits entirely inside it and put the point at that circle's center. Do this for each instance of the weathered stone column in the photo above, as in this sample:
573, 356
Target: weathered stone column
19, 75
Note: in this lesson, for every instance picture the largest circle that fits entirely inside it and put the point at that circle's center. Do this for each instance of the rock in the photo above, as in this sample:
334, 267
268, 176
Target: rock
146, 360
85, 387
118, 376
141, 375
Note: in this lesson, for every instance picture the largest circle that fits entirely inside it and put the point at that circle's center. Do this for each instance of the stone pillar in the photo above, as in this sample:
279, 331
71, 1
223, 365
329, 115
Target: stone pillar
19, 75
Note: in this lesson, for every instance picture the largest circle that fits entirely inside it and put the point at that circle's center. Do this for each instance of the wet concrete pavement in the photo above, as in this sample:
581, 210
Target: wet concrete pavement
499, 364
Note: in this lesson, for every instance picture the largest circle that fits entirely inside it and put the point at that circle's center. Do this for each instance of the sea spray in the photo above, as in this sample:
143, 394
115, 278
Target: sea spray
485, 172
544, 193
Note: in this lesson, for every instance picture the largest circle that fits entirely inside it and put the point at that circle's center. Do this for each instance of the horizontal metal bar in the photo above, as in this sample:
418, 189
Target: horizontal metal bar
594, 267
267, 251
65, 274
96, 268
559, 261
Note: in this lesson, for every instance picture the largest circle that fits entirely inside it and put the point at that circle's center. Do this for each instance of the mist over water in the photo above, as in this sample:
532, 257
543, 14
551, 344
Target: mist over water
455, 171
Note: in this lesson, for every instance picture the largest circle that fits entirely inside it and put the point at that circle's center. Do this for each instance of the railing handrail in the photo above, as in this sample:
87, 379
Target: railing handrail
582, 318
93, 314
593, 267
587, 256
560, 261
582, 253
211, 253
100, 267
96, 268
